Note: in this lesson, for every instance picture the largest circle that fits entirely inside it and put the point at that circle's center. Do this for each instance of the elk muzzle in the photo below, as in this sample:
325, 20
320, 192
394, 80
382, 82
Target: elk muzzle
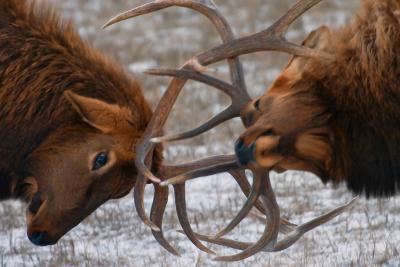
258, 145
40, 239
244, 153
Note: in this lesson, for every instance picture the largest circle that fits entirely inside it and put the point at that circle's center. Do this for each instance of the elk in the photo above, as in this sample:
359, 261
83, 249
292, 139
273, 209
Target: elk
338, 118
69, 120
333, 111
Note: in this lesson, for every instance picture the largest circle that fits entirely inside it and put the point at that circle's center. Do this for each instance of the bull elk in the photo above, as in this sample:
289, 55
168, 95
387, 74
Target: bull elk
69, 119
334, 111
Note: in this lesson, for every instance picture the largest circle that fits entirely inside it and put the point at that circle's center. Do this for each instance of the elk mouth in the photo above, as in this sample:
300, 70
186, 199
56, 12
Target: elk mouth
300, 163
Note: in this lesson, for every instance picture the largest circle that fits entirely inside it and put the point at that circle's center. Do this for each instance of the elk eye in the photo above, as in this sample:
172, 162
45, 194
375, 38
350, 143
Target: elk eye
100, 160
257, 105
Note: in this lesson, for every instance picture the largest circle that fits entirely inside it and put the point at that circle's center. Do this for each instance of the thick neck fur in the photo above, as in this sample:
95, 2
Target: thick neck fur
363, 88
40, 58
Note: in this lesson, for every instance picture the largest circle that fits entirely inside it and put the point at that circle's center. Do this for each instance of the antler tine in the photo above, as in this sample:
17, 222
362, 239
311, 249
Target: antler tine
206, 167
138, 11
196, 76
157, 213
180, 202
271, 230
271, 39
138, 195
241, 179
252, 198
227, 114
281, 26
292, 237
205, 7
238, 97
308, 226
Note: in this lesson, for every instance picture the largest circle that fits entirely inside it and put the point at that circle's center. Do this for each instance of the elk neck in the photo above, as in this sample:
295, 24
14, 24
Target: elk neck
363, 92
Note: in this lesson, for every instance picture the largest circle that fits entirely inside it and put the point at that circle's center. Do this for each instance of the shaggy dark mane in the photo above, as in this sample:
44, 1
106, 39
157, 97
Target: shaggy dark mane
363, 89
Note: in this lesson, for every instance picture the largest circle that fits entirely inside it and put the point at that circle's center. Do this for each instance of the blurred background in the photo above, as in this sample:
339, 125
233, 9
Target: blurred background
114, 236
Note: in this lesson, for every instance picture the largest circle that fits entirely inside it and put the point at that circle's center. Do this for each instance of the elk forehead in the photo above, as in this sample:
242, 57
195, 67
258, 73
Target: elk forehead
278, 90
286, 113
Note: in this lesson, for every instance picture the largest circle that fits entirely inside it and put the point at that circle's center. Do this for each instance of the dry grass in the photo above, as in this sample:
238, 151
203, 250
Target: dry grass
113, 236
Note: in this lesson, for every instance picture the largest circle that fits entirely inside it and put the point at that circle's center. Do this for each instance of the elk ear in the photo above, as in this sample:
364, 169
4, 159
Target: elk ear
99, 114
319, 39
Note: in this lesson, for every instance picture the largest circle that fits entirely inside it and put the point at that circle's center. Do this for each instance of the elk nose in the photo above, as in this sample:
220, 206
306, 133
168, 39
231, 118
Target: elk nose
39, 238
245, 154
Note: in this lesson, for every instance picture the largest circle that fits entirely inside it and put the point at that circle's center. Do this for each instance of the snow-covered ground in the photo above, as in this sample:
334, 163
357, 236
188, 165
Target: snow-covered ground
366, 235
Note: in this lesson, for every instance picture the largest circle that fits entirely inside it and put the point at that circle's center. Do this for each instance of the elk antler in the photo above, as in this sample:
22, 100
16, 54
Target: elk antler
145, 148
267, 40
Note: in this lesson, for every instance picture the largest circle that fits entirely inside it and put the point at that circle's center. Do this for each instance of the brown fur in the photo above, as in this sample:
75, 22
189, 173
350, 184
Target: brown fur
349, 109
47, 134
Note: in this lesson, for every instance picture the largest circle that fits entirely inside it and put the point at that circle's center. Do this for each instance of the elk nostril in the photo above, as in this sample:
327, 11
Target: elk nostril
38, 238
35, 204
245, 154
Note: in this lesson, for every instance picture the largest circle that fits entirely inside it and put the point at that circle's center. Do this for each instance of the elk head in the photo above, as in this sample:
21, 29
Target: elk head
285, 101
79, 167
288, 128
